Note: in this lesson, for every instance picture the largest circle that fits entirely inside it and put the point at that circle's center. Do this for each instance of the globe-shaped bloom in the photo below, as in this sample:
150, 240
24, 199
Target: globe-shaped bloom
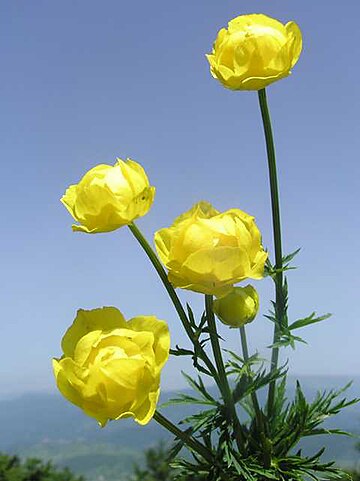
254, 51
111, 367
109, 197
208, 251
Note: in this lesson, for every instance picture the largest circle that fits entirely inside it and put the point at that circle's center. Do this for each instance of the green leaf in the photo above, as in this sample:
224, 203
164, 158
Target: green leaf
179, 351
289, 257
306, 321
199, 387
287, 339
248, 385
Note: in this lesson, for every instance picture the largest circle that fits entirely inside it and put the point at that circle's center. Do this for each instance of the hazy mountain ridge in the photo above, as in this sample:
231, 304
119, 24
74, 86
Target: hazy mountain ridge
47, 426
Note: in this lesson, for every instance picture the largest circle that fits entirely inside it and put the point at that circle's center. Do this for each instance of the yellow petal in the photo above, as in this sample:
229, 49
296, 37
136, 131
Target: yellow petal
96, 319
162, 240
255, 51
68, 379
161, 336
295, 45
109, 197
146, 412
69, 198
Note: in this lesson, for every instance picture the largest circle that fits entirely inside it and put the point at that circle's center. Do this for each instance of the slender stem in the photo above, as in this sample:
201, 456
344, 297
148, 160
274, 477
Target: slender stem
244, 343
188, 440
173, 296
253, 395
223, 380
257, 409
275, 205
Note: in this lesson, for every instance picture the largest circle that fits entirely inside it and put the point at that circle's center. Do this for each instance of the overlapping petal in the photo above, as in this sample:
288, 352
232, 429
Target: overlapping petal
110, 367
109, 197
254, 51
208, 251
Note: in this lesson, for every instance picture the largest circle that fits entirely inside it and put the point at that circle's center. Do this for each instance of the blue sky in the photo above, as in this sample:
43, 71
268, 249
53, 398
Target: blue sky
84, 82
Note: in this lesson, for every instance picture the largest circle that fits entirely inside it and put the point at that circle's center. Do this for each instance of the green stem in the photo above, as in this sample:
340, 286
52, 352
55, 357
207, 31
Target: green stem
188, 440
244, 344
257, 409
223, 380
173, 296
275, 205
254, 398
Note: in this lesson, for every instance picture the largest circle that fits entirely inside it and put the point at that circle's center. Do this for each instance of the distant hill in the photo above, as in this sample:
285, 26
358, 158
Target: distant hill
48, 427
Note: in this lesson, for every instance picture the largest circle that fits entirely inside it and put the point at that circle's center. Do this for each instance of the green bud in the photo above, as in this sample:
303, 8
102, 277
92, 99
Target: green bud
238, 307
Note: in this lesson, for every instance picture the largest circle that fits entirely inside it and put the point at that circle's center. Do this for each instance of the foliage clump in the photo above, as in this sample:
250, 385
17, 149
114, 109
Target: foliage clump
156, 468
12, 468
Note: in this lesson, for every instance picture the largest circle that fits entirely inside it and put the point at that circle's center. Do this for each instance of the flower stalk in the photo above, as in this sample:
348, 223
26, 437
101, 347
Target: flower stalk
173, 296
183, 436
275, 207
223, 383
255, 401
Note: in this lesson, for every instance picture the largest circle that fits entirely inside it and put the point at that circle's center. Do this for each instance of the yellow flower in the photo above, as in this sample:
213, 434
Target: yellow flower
208, 251
110, 367
238, 307
255, 51
108, 197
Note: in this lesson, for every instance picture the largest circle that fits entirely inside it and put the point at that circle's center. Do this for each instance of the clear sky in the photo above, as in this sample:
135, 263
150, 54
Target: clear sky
85, 81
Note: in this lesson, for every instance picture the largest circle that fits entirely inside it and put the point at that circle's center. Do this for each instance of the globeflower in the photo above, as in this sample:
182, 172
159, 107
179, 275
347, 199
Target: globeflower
254, 51
238, 307
111, 367
109, 197
208, 251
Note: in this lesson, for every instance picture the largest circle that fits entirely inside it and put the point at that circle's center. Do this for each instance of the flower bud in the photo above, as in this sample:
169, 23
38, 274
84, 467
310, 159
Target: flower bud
255, 51
239, 307
109, 197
